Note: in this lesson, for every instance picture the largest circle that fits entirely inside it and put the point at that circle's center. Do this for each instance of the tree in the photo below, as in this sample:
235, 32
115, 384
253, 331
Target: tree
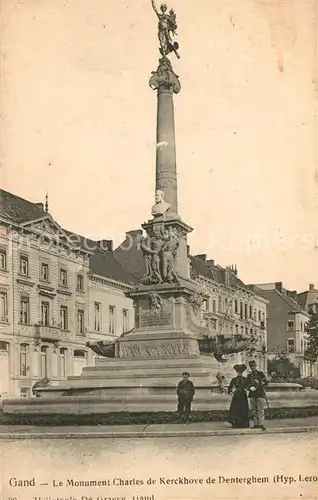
311, 329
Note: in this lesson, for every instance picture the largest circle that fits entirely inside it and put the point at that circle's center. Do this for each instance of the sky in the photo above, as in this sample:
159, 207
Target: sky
79, 122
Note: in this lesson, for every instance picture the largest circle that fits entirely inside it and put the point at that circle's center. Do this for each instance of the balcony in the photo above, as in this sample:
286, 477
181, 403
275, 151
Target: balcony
50, 333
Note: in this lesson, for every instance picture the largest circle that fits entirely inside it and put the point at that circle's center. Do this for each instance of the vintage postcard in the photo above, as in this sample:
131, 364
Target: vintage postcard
158, 250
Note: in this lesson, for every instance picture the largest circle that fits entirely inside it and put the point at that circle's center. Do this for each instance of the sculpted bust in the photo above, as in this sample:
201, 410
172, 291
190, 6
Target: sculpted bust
161, 206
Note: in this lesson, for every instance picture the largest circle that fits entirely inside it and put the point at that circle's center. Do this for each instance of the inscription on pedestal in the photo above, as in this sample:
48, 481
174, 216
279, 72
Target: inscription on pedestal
148, 319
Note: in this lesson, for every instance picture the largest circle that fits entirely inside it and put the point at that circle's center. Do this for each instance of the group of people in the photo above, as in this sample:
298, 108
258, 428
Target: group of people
241, 389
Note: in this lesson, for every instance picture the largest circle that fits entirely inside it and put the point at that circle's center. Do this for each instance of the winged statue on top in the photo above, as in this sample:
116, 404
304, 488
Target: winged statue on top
167, 27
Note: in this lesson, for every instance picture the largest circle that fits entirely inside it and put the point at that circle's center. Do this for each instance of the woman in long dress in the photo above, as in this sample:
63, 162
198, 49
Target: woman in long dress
238, 415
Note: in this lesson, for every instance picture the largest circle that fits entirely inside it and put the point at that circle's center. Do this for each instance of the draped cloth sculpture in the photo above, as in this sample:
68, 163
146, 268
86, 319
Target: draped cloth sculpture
159, 250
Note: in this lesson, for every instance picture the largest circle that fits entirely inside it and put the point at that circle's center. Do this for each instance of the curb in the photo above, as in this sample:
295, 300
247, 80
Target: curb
154, 434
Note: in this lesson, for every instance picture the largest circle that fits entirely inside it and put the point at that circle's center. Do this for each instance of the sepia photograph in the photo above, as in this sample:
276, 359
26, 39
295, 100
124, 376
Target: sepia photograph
158, 250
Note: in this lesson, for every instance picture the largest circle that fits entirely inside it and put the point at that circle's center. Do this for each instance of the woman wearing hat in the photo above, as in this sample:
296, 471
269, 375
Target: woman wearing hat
238, 415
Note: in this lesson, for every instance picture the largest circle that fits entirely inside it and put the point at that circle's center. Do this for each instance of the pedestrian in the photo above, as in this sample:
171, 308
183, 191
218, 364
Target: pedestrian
238, 414
185, 393
256, 383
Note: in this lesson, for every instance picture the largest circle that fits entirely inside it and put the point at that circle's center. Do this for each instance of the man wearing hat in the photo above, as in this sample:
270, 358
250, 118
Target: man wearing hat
256, 383
185, 393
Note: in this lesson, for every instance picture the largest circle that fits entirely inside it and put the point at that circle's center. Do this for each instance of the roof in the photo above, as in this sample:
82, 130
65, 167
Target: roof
307, 298
216, 273
102, 262
18, 209
268, 294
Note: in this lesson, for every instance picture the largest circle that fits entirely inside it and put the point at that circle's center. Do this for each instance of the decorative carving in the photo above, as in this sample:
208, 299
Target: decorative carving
165, 77
161, 206
155, 300
160, 251
196, 300
162, 348
107, 348
167, 25
220, 347
221, 382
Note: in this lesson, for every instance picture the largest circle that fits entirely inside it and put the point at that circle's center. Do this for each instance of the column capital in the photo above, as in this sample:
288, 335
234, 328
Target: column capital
164, 79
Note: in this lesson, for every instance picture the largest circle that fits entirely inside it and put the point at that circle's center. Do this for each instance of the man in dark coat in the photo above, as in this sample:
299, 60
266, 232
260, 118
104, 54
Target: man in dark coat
185, 392
256, 383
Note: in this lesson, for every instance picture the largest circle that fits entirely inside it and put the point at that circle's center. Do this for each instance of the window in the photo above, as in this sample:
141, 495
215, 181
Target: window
63, 359
63, 277
24, 265
79, 354
24, 349
214, 323
245, 311
97, 310
259, 315
214, 306
45, 313
290, 345
25, 392
246, 330
241, 310
64, 318
236, 329
3, 259
242, 330
112, 320
235, 306
80, 322
3, 307
80, 283
125, 320
251, 312
44, 363
44, 271
4, 346
251, 332
290, 325
24, 310
219, 304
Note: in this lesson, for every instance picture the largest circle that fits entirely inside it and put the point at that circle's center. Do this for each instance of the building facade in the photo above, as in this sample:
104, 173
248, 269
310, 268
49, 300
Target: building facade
57, 291
287, 326
232, 309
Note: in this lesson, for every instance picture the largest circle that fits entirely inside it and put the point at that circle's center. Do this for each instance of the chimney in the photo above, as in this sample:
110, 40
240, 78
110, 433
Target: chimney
40, 205
210, 262
201, 256
105, 245
279, 286
311, 287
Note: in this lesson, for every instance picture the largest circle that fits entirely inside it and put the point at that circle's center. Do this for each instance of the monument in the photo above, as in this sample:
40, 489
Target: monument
139, 371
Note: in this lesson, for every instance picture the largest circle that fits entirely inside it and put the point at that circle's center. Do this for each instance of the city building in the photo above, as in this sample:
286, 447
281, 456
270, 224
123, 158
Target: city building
58, 290
286, 326
308, 299
232, 309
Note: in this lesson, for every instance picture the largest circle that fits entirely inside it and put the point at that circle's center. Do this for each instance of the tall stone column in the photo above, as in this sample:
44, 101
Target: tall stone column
166, 82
